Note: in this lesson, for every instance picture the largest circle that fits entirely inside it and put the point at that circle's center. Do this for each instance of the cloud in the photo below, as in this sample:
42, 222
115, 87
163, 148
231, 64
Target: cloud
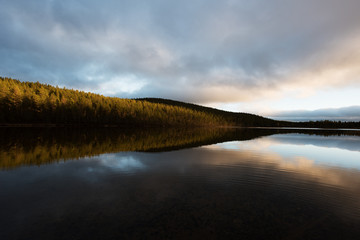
339, 114
199, 51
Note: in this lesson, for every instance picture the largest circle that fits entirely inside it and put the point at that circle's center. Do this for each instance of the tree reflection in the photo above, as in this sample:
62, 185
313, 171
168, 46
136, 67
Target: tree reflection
37, 146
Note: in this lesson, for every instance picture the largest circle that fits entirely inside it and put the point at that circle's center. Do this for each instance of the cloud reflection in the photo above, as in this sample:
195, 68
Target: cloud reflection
335, 167
248, 179
338, 151
121, 163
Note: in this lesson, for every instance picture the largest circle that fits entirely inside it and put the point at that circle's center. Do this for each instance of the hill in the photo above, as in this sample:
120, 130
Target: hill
236, 119
36, 103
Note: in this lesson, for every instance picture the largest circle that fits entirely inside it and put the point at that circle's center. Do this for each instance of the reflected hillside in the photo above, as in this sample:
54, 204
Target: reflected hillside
37, 146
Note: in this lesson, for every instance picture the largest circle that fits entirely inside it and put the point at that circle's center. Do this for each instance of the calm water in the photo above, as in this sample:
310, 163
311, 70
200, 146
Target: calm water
179, 184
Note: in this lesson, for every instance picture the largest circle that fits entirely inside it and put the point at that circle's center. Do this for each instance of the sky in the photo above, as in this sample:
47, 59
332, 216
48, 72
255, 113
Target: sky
278, 58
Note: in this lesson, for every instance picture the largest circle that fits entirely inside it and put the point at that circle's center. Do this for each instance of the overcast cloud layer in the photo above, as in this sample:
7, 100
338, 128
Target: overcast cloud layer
202, 51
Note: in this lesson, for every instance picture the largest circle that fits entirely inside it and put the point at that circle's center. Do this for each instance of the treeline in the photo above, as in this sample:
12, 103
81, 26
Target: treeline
327, 124
251, 120
35, 103
235, 119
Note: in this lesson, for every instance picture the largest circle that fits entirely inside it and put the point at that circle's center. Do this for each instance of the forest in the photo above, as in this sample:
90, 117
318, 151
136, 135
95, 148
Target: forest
35, 103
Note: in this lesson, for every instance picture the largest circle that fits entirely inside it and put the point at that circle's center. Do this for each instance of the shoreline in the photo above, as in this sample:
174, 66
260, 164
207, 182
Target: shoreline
56, 125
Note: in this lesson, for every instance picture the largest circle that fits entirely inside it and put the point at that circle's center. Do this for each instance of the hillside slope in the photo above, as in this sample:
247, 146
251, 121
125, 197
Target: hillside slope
35, 103
237, 119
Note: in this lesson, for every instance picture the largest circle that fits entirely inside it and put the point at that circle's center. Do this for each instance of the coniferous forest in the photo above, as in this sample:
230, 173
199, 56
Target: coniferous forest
28, 102
36, 103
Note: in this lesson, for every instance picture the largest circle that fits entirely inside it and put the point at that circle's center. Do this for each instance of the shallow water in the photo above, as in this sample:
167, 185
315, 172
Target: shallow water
215, 184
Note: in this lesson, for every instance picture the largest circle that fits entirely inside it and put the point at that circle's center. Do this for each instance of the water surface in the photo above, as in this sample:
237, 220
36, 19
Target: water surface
179, 184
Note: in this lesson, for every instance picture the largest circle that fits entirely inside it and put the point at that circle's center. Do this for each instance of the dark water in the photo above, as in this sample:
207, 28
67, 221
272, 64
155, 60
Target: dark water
179, 184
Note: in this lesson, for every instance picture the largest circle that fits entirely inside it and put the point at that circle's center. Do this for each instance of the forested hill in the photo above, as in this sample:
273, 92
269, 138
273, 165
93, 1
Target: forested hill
36, 103
238, 119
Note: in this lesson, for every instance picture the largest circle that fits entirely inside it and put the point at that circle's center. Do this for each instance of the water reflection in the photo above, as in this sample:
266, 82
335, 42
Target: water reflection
257, 186
37, 146
122, 163
338, 151
349, 143
310, 164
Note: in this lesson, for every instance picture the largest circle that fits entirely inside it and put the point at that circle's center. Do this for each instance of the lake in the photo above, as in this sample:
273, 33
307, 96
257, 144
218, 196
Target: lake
109, 183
